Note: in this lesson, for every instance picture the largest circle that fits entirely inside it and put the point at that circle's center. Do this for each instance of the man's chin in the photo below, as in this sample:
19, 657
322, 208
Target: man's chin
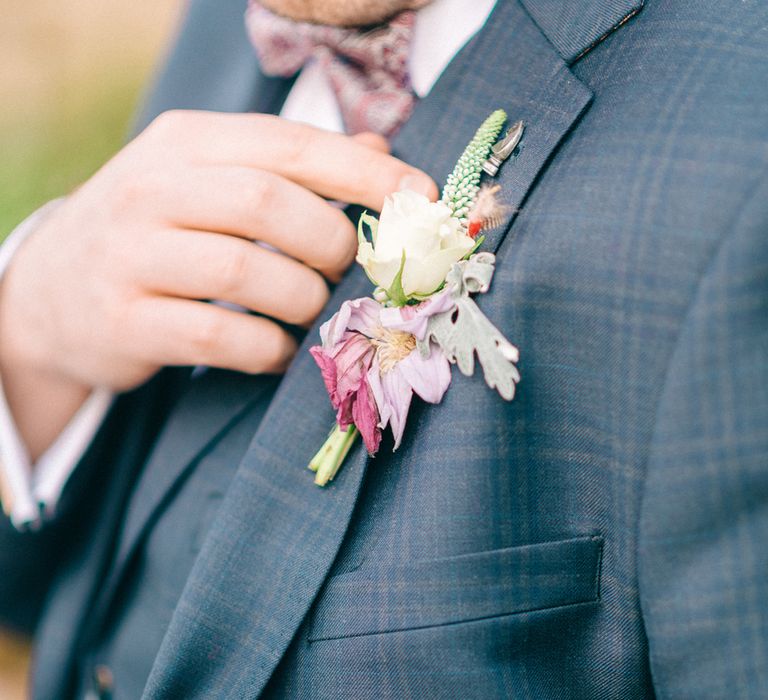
343, 13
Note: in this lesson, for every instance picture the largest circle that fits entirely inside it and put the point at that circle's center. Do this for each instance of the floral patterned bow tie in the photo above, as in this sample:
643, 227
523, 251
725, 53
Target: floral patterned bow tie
367, 68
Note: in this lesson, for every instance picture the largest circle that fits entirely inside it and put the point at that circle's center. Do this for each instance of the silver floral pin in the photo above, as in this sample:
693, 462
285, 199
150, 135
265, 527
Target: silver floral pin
504, 148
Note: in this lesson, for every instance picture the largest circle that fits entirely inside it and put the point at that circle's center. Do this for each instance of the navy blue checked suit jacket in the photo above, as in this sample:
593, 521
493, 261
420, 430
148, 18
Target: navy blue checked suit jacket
605, 535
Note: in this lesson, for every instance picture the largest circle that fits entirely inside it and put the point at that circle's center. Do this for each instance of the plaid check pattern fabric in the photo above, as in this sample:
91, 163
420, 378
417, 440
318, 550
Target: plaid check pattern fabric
600, 537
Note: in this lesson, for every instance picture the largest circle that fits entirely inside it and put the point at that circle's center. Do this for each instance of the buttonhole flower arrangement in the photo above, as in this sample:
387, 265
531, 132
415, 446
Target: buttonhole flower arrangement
425, 262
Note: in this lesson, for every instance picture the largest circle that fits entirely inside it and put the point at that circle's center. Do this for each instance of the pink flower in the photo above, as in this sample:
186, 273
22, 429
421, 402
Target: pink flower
413, 319
393, 389
371, 366
344, 358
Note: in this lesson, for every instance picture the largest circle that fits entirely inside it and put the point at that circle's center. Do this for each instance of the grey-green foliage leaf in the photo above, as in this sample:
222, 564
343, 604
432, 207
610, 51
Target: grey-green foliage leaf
465, 331
472, 275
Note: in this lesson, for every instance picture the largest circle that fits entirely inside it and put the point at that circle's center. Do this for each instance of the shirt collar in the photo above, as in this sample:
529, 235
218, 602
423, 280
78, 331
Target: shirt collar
440, 31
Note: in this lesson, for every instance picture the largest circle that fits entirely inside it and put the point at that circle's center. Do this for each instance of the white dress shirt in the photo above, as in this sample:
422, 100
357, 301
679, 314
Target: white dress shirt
29, 491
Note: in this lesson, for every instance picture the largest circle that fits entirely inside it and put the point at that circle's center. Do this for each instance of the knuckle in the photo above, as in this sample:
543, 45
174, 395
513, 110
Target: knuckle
261, 191
172, 132
133, 190
207, 338
233, 269
299, 144
167, 123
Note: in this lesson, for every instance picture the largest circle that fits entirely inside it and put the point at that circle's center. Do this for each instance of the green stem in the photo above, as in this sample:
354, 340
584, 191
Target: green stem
329, 458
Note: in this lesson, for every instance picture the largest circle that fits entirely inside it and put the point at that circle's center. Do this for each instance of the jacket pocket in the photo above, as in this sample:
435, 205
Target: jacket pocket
413, 595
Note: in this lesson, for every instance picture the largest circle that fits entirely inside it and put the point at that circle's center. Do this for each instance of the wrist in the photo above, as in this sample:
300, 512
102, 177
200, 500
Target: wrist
41, 404
41, 399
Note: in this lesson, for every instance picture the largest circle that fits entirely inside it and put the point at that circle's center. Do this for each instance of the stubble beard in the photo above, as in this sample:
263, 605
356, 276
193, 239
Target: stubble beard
343, 13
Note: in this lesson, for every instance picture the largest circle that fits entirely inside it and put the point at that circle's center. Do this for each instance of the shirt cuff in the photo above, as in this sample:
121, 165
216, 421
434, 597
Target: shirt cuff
27, 494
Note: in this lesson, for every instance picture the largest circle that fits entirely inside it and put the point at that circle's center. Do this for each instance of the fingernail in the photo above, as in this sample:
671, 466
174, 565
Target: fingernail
418, 183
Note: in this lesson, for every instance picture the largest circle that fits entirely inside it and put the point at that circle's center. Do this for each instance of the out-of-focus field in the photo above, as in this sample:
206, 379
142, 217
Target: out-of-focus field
14, 665
70, 76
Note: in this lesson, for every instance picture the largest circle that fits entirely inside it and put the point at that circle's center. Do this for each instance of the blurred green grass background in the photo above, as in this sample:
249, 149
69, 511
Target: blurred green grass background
70, 77
49, 154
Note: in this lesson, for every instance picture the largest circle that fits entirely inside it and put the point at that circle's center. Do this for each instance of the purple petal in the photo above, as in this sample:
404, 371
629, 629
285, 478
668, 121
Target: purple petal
399, 396
344, 407
364, 314
393, 398
414, 319
352, 358
344, 372
355, 315
377, 390
327, 368
366, 418
429, 376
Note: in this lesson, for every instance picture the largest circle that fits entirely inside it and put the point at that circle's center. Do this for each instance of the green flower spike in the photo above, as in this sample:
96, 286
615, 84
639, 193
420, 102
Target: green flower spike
463, 183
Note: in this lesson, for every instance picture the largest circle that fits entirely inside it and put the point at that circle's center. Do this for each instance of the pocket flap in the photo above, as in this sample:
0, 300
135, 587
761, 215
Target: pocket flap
377, 599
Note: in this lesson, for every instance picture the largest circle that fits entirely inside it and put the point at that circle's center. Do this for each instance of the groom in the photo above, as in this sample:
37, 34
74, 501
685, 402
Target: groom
601, 536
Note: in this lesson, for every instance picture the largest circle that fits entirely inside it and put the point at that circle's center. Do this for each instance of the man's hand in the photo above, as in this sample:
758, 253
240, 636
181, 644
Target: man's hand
108, 289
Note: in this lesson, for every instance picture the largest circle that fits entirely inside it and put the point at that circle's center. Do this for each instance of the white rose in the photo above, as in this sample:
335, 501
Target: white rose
425, 231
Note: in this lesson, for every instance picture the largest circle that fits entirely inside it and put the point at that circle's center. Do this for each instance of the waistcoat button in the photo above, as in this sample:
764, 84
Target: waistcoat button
102, 683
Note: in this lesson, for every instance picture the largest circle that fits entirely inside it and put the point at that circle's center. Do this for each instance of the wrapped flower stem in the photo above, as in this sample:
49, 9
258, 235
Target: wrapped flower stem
331, 455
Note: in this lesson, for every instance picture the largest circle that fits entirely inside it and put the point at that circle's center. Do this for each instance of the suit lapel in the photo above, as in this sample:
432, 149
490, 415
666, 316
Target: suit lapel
531, 83
575, 28
276, 536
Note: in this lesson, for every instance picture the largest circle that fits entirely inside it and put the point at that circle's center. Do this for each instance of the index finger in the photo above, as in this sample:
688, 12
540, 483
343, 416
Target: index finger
333, 165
